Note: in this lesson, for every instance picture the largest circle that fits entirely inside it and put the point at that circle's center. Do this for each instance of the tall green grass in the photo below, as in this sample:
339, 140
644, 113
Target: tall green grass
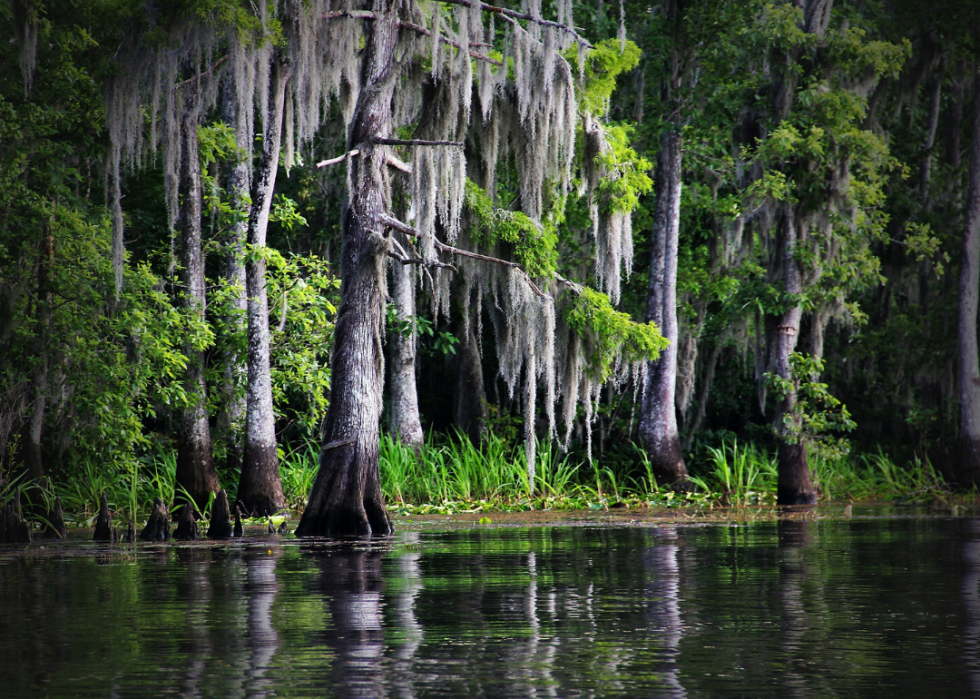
130, 489
737, 475
876, 476
452, 474
297, 470
457, 470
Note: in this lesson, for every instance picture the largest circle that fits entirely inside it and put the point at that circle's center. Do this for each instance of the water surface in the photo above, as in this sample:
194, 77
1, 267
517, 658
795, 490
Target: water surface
868, 607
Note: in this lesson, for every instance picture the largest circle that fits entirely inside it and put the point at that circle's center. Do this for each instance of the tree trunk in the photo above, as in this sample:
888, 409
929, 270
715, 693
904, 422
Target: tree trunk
33, 460
233, 270
954, 120
346, 496
195, 470
260, 490
706, 382
658, 418
404, 421
470, 400
969, 371
932, 124
794, 483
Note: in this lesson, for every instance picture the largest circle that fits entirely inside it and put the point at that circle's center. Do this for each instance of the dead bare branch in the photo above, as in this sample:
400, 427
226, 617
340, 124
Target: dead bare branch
514, 15
443, 247
414, 142
338, 159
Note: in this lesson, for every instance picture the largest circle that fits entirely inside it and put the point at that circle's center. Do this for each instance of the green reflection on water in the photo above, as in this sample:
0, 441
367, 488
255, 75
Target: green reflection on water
873, 607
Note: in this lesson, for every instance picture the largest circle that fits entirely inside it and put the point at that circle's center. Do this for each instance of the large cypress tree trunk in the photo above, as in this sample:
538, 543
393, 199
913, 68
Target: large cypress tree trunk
346, 496
233, 271
794, 482
969, 370
658, 420
404, 421
260, 490
195, 470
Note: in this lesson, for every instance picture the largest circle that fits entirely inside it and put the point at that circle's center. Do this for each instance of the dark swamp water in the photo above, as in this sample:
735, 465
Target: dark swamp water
873, 606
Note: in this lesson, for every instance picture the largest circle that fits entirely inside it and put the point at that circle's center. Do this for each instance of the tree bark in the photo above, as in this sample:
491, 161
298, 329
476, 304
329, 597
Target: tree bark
260, 490
658, 419
794, 482
932, 125
195, 470
954, 119
404, 421
346, 496
969, 370
229, 420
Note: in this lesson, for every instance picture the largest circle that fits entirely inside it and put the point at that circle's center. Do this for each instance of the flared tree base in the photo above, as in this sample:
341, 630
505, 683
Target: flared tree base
346, 500
260, 491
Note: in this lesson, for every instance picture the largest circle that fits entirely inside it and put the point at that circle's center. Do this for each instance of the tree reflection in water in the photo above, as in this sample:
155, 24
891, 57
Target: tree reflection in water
194, 592
794, 537
529, 615
971, 600
262, 588
886, 607
351, 581
665, 609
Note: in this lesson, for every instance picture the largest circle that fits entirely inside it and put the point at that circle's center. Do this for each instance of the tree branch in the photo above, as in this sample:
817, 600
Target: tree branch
513, 15
197, 77
414, 142
443, 247
398, 164
418, 29
353, 14
419, 261
510, 15
338, 159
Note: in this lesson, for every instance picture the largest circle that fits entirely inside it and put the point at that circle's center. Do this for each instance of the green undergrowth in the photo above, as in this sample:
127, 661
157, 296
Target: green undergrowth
452, 475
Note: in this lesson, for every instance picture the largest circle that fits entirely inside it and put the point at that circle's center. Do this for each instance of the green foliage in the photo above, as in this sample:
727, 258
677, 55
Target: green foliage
297, 471
739, 476
441, 342
534, 246
603, 64
610, 335
286, 213
302, 307
921, 244
626, 178
816, 413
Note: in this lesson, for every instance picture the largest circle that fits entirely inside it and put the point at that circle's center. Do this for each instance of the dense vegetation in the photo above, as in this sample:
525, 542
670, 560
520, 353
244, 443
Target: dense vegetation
728, 247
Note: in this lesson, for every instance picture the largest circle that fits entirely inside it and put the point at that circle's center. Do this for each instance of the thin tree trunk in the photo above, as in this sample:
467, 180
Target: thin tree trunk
705, 392
233, 270
794, 482
954, 119
658, 419
404, 421
932, 124
470, 399
260, 490
346, 496
33, 460
969, 370
195, 470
